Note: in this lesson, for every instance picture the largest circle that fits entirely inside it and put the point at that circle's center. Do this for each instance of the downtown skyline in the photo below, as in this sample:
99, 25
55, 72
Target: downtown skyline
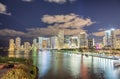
33, 18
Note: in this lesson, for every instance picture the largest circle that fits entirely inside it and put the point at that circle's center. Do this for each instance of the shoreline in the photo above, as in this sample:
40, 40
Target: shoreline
23, 66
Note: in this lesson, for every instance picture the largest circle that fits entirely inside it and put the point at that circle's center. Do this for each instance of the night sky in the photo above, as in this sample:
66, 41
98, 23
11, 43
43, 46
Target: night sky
32, 18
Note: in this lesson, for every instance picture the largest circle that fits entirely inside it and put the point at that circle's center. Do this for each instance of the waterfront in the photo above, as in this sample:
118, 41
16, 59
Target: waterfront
66, 65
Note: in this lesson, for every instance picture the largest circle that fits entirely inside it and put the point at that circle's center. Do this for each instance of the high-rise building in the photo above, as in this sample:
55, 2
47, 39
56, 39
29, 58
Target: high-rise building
74, 42
91, 43
117, 46
104, 41
11, 45
54, 42
27, 46
61, 39
67, 41
35, 44
40, 40
83, 41
17, 43
44, 42
110, 38
48, 43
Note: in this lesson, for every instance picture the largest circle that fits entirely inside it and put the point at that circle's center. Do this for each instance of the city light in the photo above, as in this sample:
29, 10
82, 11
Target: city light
59, 39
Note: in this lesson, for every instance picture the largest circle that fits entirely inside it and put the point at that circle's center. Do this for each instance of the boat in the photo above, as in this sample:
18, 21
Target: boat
116, 64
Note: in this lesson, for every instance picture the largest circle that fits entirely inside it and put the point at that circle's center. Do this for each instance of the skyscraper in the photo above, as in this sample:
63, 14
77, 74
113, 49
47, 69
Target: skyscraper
67, 41
110, 38
91, 43
83, 41
61, 39
35, 44
18, 43
11, 45
48, 43
54, 42
74, 42
27, 46
40, 40
117, 46
104, 41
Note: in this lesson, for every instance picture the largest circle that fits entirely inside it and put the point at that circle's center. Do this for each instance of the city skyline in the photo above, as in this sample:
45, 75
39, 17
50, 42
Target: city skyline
34, 18
61, 41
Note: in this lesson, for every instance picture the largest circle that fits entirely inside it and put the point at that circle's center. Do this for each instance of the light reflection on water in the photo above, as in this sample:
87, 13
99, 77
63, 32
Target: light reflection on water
44, 62
59, 65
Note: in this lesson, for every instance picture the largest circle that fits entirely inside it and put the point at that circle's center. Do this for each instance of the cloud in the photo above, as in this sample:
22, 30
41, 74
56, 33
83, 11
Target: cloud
50, 31
102, 33
59, 1
3, 9
58, 18
27, 0
72, 24
10, 32
99, 34
30, 32
67, 21
101, 29
73, 31
36, 32
41, 32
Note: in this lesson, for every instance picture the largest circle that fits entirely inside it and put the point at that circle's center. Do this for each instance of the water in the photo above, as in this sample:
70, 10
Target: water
65, 65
